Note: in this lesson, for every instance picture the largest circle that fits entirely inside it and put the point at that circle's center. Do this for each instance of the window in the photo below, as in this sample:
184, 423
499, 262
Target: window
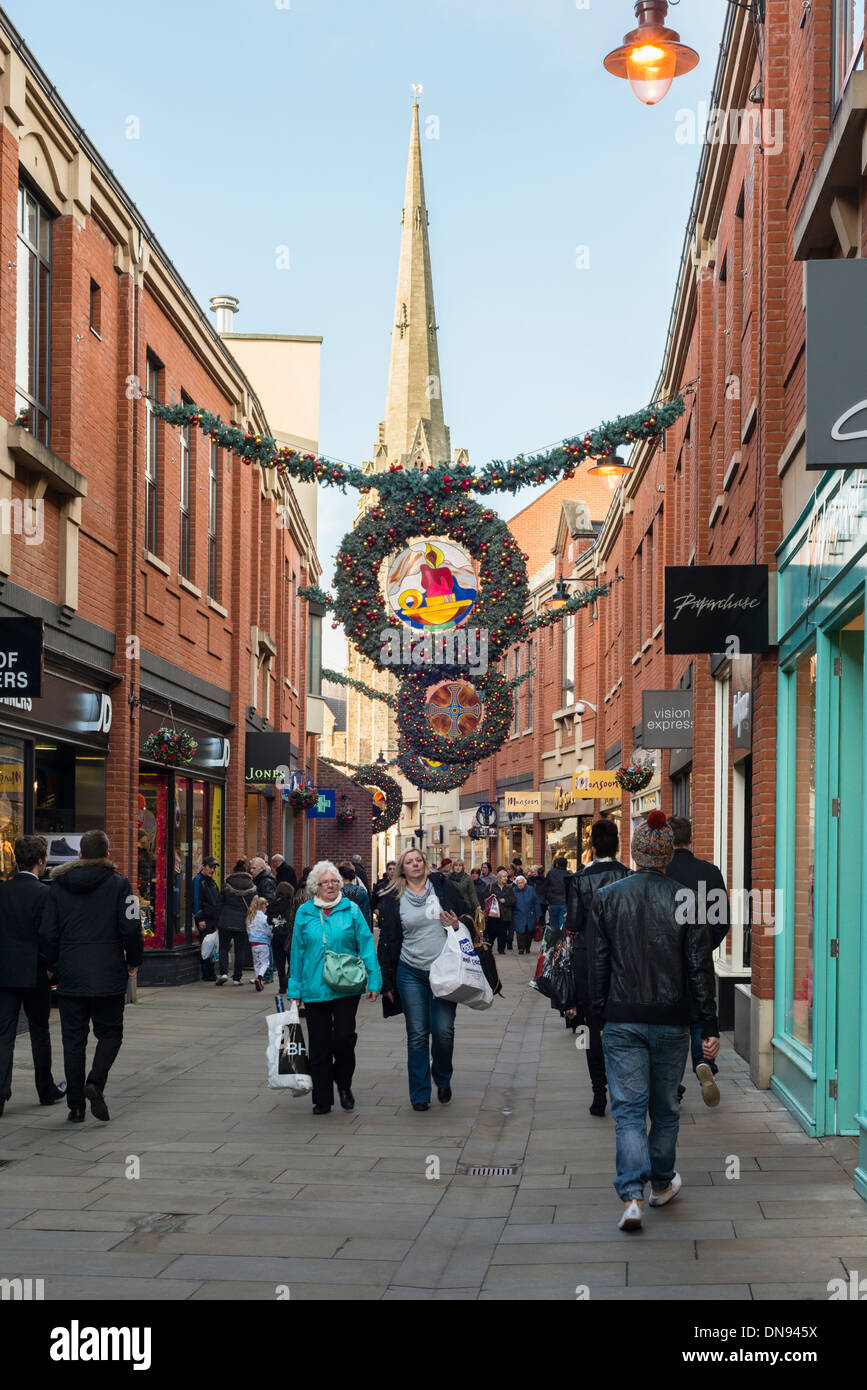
314, 653
799, 985
213, 512
152, 443
528, 686
681, 795
184, 495
95, 308
33, 316
648, 619
516, 693
567, 669
848, 39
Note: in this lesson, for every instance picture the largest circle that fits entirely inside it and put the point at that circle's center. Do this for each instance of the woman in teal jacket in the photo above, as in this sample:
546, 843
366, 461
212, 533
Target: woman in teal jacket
328, 918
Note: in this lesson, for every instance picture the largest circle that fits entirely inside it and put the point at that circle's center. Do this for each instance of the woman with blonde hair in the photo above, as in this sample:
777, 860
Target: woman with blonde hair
328, 921
415, 912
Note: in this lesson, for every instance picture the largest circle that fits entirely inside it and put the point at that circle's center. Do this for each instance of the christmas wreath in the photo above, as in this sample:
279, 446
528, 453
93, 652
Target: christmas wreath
412, 720
635, 777
387, 528
171, 747
387, 813
302, 798
429, 777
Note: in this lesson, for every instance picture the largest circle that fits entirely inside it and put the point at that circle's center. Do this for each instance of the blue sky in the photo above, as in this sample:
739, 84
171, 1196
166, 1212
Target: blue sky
267, 124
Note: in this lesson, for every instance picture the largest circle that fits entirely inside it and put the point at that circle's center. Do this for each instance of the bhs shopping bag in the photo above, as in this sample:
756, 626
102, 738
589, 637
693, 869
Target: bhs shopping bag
287, 1053
457, 974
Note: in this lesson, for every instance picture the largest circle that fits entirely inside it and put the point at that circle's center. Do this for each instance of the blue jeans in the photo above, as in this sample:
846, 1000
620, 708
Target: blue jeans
697, 1054
556, 914
430, 1032
644, 1063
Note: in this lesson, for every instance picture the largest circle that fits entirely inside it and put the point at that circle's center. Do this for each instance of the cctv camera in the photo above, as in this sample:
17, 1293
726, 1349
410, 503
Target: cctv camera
580, 708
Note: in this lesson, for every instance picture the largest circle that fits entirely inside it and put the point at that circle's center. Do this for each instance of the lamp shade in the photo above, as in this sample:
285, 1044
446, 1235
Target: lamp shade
652, 55
610, 466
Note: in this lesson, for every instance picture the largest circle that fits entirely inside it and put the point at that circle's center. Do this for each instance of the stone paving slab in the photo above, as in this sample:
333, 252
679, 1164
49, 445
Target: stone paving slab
244, 1191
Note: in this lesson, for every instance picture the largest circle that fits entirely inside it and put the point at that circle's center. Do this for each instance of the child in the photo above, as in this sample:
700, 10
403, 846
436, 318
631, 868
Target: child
259, 932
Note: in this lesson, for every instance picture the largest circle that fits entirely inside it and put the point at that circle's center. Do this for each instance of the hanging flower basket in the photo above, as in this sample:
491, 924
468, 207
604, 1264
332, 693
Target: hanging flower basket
346, 815
302, 798
635, 777
171, 747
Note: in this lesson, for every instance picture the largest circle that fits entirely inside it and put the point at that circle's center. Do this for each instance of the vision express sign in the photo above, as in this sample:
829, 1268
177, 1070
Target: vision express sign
716, 608
666, 718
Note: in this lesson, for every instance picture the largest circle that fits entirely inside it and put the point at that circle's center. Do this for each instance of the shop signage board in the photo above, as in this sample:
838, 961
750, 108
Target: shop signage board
559, 799
716, 608
836, 352
742, 707
21, 648
266, 757
485, 832
522, 803
325, 807
594, 783
667, 718
487, 815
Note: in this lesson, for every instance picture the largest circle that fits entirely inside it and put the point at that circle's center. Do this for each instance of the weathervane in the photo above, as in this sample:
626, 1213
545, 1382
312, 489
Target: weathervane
418, 89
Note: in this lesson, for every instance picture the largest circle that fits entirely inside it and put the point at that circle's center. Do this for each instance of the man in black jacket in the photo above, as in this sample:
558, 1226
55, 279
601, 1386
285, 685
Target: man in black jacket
206, 899
603, 869
645, 968
705, 901
23, 973
557, 882
381, 884
283, 872
263, 879
91, 935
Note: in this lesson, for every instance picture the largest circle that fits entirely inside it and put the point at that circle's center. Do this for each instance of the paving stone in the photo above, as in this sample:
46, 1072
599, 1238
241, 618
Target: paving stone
281, 1271
225, 1291
84, 1287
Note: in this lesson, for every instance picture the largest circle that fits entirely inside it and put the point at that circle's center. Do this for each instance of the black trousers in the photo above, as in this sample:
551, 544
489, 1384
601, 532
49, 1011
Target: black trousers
497, 930
76, 1015
331, 1039
596, 1059
525, 941
278, 948
37, 1008
236, 940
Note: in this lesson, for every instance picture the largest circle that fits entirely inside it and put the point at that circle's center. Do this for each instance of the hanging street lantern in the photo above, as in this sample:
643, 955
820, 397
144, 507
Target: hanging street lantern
651, 56
609, 466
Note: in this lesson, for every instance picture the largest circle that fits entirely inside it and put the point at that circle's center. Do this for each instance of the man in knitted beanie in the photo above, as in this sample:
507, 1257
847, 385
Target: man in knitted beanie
645, 967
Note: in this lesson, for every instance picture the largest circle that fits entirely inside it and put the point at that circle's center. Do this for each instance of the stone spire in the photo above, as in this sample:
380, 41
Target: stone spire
413, 431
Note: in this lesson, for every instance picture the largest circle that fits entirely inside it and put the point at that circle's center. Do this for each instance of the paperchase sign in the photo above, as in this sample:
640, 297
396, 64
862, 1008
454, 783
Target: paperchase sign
836, 353
666, 717
716, 608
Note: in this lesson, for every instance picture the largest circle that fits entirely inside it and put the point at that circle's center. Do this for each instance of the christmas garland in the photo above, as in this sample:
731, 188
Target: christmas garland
340, 679
369, 775
446, 778
413, 725
385, 530
525, 470
171, 747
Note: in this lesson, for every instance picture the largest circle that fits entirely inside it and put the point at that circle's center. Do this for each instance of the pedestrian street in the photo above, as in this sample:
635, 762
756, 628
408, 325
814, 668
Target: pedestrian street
205, 1184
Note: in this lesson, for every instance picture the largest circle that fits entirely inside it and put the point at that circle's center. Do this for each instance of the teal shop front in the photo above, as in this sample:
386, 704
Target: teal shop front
820, 1020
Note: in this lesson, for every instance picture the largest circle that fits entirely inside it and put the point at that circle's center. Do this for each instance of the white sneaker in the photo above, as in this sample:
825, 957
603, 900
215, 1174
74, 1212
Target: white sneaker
221, 979
659, 1199
237, 982
709, 1088
632, 1214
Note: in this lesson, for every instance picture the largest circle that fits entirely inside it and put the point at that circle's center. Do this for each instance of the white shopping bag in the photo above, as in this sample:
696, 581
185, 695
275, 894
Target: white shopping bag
457, 973
287, 1055
210, 945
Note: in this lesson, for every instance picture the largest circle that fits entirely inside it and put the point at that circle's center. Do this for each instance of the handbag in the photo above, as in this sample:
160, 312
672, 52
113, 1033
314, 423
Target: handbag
343, 973
492, 906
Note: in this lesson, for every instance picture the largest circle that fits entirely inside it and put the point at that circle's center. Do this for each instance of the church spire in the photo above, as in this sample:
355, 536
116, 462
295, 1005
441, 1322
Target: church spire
414, 430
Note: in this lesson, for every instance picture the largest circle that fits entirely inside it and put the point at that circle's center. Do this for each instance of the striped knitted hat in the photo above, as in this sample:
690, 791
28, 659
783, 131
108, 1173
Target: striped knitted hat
653, 843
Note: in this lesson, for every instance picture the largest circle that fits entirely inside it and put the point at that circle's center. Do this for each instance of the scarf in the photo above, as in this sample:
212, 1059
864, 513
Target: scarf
418, 899
326, 907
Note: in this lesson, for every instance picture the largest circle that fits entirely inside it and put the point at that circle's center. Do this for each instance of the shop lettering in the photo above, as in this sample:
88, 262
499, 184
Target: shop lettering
713, 605
24, 704
670, 719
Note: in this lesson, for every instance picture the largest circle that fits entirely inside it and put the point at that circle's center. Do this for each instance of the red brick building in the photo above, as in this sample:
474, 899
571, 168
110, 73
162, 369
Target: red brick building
165, 572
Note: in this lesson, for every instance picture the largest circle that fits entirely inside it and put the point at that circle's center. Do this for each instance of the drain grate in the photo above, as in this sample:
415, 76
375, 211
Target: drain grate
507, 1172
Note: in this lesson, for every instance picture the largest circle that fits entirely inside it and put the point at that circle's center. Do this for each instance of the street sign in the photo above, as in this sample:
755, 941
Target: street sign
325, 807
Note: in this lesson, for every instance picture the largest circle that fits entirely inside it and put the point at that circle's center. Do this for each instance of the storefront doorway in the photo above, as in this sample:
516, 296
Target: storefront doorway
846, 836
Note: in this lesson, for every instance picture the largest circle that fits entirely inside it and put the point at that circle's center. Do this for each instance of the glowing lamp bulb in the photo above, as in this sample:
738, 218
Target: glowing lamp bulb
651, 70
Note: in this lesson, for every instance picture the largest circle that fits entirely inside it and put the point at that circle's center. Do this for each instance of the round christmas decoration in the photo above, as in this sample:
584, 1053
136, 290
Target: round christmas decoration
634, 778
388, 805
171, 747
386, 530
453, 709
431, 776
432, 585
495, 694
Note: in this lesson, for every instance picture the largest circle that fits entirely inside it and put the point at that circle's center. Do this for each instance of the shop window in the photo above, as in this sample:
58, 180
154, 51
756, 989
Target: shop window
314, 654
33, 316
152, 456
681, 795
68, 790
568, 838
799, 986
11, 803
184, 534
151, 876
567, 653
848, 38
213, 515
95, 309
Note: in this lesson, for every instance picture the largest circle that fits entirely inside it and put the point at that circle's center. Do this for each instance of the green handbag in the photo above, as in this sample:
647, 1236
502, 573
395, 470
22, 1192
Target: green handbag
344, 974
